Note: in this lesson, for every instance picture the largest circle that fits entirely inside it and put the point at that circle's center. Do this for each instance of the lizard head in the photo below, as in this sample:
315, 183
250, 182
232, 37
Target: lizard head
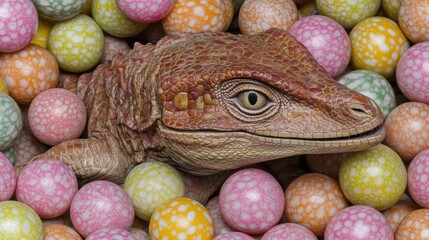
232, 100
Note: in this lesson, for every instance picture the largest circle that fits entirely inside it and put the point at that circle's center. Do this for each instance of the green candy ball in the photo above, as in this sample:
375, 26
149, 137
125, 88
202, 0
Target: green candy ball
19, 221
59, 10
10, 122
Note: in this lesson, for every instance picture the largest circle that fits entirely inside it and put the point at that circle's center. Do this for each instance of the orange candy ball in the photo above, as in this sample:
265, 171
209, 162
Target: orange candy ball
399, 211
312, 200
29, 72
414, 226
413, 19
59, 231
199, 16
407, 129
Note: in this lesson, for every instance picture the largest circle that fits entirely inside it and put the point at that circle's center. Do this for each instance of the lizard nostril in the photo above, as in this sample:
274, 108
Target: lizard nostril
358, 111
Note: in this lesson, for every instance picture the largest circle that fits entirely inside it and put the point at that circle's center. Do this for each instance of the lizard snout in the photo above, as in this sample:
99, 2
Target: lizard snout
364, 110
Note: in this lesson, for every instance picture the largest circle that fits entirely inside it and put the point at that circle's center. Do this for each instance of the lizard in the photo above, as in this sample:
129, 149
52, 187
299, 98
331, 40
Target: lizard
211, 102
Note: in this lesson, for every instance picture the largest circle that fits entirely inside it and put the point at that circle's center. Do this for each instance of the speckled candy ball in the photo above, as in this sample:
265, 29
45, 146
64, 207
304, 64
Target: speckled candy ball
413, 19
112, 47
27, 147
377, 45
199, 16
219, 224
57, 231
359, 222
18, 24
412, 74
101, 204
289, 231
59, 10
10, 122
57, 115
348, 13
407, 129
145, 11
150, 184
77, 43
48, 186
399, 211
19, 221
42, 34
181, 218
415, 226
28, 72
391, 8
418, 175
251, 201
372, 85
374, 177
110, 234
233, 236
257, 16
312, 200
107, 14
3, 87
7, 178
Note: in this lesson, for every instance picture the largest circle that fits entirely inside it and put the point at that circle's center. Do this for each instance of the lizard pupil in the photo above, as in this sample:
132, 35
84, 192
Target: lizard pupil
253, 98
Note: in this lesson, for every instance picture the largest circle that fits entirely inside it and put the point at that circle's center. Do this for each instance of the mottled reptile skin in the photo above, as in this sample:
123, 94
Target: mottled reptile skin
179, 102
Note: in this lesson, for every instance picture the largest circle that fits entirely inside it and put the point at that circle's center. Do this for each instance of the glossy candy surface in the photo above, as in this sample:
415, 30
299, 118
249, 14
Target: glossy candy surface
59, 10
10, 122
28, 72
359, 222
312, 200
3, 87
418, 179
399, 211
19, 221
199, 16
233, 236
110, 234
7, 178
377, 45
77, 43
181, 218
18, 24
150, 184
326, 40
415, 226
413, 19
220, 226
372, 85
251, 201
101, 204
27, 147
391, 8
289, 231
145, 11
412, 73
257, 16
406, 129
58, 231
42, 33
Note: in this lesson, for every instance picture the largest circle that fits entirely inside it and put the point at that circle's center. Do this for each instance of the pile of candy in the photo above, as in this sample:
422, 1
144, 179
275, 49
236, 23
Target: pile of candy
378, 48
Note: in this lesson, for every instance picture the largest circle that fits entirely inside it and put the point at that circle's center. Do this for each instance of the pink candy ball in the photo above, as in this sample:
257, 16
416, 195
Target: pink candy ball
145, 11
7, 178
233, 236
418, 176
251, 201
101, 204
359, 222
56, 115
18, 24
48, 186
326, 40
110, 234
289, 231
412, 73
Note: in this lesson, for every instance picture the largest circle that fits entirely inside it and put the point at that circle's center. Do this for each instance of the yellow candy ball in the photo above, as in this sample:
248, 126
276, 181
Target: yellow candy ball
77, 44
3, 86
375, 177
377, 45
42, 33
391, 8
181, 218
19, 221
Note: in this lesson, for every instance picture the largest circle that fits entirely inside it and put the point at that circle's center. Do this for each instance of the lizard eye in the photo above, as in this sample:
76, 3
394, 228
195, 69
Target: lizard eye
252, 100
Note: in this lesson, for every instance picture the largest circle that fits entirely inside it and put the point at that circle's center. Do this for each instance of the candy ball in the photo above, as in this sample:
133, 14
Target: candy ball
47, 186
145, 11
326, 40
101, 204
181, 218
27, 147
233, 236
10, 155
87, 8
412, 74
219, 224
414, 226
251, 201
59, 10
7, 178
406, 129
312, 200
110, 234
42, 34
59, 231
327, 164
418, 175
377, 45
77, 43
3, 87
113, 47
257, 16
150, 184
391, 8
199, 16
10, 122
289, 231
19, 221
413, 19
399, 211
348, 13
139, 234
374, 177
18, 24
359, 222
28, 72
372, 85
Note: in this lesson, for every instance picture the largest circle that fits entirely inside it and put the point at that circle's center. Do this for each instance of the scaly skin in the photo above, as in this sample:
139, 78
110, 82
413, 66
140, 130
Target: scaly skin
179, 102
